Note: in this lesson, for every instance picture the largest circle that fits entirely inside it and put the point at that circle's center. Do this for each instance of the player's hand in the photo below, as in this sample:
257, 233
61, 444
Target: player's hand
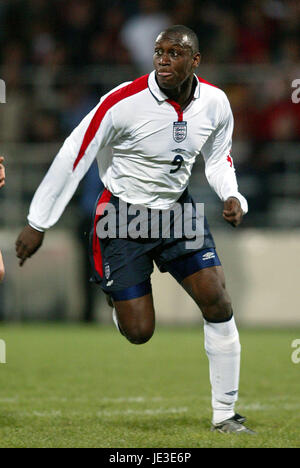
28, 242
2, 172
233, 212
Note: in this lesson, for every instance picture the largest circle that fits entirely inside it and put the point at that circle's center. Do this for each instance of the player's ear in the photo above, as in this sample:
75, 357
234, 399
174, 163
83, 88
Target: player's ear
196, 59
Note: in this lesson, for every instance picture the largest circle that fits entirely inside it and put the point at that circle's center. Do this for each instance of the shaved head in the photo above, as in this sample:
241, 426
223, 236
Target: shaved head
176, 57
184, 35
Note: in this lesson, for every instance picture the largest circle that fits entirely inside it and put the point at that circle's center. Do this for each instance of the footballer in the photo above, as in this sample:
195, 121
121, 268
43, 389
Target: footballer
146, 136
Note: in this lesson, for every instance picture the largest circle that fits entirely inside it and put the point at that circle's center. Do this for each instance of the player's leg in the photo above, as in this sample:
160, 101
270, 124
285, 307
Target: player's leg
206, 285
207, 288
201, 274
222, 345
122, 267
136, 318
133, 312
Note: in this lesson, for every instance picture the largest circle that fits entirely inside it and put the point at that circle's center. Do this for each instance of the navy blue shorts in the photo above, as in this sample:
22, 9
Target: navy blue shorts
121, 262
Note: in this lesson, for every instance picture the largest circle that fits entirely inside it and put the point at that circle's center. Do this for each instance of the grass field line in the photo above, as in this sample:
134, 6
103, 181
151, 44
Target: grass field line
148, 411
269, 407
100, 414
138, 399
57, 413
116, 400
270, 404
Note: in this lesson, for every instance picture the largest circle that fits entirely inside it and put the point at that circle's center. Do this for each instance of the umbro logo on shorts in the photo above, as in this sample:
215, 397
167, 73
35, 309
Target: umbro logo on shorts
208, 256
109, 283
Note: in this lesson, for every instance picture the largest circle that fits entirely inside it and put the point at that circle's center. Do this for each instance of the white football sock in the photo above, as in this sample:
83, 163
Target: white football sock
223, 350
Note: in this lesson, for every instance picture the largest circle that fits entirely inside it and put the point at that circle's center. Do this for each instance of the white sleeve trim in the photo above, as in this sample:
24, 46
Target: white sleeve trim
37, 228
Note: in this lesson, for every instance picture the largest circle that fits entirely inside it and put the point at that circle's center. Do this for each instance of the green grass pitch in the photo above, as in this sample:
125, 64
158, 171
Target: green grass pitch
85, 386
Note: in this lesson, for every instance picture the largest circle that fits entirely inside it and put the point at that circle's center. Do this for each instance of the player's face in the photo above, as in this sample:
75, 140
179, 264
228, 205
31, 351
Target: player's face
174, 60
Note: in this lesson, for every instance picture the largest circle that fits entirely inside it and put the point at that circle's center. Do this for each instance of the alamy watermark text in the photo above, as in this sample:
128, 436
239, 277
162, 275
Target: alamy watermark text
136, 221
295, 357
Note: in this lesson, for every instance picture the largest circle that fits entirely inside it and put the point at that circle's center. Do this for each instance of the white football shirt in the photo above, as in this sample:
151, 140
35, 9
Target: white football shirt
145, 147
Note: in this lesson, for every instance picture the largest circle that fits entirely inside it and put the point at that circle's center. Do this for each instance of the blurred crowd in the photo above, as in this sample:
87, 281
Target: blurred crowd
48, 50
74, 34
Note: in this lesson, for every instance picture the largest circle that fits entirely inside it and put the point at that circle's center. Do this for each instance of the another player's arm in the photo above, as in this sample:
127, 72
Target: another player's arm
2, 183
61, 181
2, 172
28, 242
219, 167
2, 268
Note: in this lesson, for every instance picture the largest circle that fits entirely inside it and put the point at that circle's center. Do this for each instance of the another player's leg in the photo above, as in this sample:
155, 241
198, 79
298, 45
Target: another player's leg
207, 287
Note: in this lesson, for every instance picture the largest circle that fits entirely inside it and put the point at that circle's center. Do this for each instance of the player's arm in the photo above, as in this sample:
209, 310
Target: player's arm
219, 168
62, 179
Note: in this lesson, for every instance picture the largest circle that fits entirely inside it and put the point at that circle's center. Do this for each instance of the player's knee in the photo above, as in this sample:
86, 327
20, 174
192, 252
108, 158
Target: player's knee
139, 334
136, 320
218, 309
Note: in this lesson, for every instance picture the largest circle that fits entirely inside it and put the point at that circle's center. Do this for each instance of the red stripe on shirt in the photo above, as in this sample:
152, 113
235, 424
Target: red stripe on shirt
97, 255
206, 82
178, 109
135, 87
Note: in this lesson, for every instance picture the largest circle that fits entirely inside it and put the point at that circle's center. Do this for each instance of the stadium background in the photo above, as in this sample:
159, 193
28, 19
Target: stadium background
57, 58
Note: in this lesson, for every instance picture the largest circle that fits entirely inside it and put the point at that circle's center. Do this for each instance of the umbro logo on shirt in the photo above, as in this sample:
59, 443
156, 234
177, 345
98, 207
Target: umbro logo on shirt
208, 256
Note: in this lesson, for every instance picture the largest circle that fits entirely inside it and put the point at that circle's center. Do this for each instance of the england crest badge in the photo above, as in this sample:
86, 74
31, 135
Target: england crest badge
179, 131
